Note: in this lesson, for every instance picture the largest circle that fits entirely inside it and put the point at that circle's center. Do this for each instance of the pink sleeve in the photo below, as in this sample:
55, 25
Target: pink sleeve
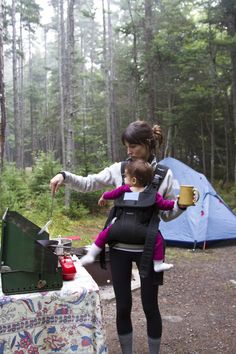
164, 204
116, 193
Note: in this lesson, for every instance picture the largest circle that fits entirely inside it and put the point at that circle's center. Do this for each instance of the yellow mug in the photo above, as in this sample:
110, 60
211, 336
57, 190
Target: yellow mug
188, 195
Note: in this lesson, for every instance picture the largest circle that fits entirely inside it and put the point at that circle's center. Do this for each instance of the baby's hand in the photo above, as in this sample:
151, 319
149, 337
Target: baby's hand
102, 202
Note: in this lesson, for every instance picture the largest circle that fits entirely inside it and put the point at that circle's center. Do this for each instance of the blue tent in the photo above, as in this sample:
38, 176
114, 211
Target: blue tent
209, 221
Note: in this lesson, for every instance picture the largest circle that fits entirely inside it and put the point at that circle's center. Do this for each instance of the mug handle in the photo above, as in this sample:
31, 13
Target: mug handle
196, 195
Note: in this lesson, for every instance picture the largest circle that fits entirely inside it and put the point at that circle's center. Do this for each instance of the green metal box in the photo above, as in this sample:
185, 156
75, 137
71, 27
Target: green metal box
27, 263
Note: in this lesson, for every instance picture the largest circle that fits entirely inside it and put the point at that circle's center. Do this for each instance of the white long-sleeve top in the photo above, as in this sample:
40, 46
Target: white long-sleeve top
111, 176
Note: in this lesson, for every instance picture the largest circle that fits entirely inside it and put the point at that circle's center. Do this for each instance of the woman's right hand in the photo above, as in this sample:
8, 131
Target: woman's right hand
56, 182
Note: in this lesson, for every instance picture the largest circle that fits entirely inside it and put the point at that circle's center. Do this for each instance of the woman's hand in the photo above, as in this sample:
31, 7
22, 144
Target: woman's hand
196, 196
56, 182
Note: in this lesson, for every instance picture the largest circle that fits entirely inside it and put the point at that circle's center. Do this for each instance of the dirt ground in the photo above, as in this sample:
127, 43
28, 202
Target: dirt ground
197, 303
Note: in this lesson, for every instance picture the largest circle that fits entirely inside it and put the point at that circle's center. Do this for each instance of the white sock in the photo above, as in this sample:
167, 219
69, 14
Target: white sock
92, 253
160, 266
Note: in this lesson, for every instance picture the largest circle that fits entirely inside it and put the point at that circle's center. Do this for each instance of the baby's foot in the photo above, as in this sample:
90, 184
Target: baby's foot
87, 259
160, 266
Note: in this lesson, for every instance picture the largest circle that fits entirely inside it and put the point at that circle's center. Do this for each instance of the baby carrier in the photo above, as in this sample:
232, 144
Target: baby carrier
137, 218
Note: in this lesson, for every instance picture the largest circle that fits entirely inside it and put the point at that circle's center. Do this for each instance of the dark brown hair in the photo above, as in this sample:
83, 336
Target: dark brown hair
141, 170
141, 133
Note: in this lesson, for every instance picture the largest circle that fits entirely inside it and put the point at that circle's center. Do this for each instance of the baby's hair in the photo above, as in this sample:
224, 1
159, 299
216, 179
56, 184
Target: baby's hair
141, 170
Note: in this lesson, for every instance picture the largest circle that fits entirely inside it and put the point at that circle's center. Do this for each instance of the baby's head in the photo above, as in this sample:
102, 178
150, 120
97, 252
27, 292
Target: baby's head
138, 173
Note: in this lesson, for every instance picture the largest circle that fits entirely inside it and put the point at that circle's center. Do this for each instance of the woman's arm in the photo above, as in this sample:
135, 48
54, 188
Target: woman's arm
167, 191
110, 176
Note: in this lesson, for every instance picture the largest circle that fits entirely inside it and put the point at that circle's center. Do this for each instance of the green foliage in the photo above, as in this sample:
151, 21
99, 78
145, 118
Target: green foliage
28, 191
90, 149
75, 211
228, 193
44, 168
14, 189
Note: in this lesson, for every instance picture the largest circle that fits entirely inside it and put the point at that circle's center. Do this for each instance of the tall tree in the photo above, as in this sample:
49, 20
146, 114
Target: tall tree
229, 11
21, 88
70, 86
49, 143
135, 53
106, 74
150, 68
30, 18
70, 79
2, 92
62, 67
17, 122
109, 79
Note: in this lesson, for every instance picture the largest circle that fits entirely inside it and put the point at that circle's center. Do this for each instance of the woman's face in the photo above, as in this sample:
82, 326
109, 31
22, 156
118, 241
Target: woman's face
137, 151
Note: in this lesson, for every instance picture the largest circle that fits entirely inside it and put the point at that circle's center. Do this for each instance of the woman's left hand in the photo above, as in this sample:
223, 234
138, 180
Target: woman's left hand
196, 196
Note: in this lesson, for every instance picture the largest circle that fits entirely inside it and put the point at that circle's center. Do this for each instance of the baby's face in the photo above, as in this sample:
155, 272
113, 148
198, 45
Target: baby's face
128, 179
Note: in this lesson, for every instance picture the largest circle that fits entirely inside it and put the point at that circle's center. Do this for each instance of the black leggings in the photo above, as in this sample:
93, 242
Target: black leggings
121, 269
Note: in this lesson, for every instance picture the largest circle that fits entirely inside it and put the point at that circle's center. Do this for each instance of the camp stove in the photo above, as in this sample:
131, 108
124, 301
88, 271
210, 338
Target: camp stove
28, 261
62, 247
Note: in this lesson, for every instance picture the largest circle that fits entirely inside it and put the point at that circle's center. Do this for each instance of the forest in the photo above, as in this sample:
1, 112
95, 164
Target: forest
71, 82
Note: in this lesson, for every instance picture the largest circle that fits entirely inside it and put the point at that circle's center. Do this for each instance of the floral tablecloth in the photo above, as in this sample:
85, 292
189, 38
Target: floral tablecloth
64, 321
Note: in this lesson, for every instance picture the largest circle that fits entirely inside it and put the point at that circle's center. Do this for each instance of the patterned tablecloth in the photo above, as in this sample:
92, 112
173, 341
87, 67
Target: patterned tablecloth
64, 321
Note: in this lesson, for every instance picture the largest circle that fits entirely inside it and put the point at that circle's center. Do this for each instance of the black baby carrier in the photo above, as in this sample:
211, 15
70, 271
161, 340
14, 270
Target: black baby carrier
137, 219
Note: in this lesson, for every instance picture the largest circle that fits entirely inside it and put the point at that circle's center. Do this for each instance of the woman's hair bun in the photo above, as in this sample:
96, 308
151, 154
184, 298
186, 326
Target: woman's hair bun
158, 133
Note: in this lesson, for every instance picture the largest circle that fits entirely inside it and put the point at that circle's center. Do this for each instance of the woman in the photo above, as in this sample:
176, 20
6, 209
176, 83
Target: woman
141, 141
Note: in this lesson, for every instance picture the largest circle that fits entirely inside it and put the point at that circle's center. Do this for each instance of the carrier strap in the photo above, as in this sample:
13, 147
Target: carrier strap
147, 256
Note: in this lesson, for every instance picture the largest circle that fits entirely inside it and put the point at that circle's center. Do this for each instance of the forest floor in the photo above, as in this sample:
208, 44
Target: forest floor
197, 303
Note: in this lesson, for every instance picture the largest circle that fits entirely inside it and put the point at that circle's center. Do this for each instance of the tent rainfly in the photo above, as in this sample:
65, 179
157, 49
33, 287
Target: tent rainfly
208, 222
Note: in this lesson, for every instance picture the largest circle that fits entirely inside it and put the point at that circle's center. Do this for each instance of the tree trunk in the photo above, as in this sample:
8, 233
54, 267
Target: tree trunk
21, 95
15, 89
229, 11
106, 73
135, 98
112, 110
150, 69
2, 92
203, 148
61, 64
169, 141
70, 86
33, 122
49, 138
213, 78
70, 148
212, 137
233, 60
